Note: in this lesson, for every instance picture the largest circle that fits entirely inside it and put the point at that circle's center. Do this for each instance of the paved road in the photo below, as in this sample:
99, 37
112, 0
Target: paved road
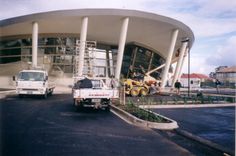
214, 124
34, 126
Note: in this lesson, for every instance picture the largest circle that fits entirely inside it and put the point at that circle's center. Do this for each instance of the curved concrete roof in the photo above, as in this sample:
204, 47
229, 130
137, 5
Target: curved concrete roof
148, 29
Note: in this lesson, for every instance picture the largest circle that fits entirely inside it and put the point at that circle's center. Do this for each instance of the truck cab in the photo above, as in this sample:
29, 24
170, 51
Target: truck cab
33, 82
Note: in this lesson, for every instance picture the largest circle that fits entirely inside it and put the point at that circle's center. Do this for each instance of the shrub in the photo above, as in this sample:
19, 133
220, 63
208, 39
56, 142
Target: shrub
142, 113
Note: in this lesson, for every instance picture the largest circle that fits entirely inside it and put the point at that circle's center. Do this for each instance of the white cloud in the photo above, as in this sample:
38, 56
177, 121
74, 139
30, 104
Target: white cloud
206, 57
205, 18
218, 8
225, 54
198, 64
208, 27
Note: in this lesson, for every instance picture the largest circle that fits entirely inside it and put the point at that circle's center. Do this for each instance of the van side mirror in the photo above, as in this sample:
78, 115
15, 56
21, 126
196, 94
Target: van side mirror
46, 78
14, 78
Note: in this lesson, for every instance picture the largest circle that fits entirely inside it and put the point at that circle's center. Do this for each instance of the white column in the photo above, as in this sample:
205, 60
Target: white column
181, 67
83, 36
123, 34
34, 44
177, 68
169, 57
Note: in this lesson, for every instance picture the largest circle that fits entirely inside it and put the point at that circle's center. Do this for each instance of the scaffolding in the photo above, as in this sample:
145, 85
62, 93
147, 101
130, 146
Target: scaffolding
88, 70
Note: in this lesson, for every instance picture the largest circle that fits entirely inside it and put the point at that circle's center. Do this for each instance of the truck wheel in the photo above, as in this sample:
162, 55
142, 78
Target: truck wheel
78, 106
143, 92
75, 103
107, 109
134, 92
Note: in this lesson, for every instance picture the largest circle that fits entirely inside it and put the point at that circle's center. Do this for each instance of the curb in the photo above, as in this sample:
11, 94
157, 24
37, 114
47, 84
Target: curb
189, 105
141, 123
8, 91
3, 94
208, 143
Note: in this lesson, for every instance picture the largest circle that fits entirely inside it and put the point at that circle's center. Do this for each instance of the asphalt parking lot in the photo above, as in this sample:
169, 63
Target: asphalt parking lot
214, 124
34, 126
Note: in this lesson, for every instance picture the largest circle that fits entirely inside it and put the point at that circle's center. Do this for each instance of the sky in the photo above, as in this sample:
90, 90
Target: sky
213, 23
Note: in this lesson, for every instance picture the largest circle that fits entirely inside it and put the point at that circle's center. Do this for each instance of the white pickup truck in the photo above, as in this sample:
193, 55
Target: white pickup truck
33, 82
93, 93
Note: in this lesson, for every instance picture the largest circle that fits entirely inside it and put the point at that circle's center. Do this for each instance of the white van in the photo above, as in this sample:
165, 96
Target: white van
33, 82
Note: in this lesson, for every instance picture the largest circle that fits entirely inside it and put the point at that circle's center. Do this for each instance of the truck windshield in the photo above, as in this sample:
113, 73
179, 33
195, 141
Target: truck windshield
31, 76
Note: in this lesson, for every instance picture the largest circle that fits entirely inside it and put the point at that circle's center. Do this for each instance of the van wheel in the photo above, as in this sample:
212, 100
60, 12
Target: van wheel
50, 93
45, 95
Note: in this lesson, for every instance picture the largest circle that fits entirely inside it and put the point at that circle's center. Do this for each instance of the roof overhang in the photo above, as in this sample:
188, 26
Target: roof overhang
104, 25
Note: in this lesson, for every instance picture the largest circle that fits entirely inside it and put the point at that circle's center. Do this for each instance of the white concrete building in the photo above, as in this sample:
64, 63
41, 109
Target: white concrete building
194, 79
126, 37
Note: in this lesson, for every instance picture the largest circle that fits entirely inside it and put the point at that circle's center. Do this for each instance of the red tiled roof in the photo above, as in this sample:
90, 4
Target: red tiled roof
185, 75
227, 70
201, 76
195, 75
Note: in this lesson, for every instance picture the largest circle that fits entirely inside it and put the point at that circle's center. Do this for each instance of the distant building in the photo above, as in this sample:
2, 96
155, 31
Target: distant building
226, 74
220, 68
195, 79
212, 75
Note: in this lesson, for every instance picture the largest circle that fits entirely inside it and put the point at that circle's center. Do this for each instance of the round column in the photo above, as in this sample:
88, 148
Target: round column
174, 36
83, 36
34, 44
121, 47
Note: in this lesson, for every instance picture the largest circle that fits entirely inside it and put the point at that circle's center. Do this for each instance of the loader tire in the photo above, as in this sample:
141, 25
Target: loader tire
143, 92
134, 92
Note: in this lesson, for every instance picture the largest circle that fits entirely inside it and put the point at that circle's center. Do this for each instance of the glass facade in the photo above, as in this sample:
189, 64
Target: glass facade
58, 53
140, 60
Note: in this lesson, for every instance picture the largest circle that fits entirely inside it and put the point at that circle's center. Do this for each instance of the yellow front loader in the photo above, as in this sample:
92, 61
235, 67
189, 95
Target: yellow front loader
135, 88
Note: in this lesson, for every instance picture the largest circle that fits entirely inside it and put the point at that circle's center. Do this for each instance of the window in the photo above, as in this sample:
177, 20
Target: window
142, 60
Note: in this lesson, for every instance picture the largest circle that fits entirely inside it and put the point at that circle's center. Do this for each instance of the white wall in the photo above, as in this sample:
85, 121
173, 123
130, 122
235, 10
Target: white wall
195, 82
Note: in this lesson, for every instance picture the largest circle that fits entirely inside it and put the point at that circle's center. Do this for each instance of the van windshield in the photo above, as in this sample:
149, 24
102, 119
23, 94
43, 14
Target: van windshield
31, 76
